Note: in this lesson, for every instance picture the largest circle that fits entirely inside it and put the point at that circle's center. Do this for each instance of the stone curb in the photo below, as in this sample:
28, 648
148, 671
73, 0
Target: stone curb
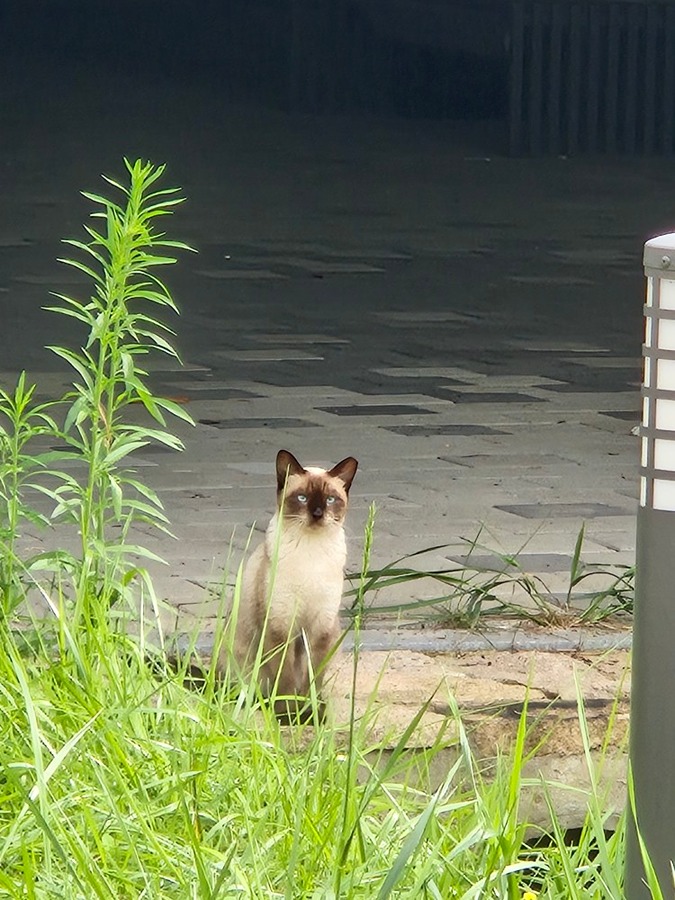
456, 640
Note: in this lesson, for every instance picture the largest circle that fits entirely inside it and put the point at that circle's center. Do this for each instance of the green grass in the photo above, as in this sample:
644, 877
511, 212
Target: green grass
118, 780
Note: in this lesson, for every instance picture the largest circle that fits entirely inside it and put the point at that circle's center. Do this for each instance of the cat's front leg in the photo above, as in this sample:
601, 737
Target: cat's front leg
321, 645
285, 670
287, 675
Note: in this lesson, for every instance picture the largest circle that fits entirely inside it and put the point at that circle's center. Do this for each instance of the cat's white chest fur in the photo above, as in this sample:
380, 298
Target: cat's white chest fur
306, 575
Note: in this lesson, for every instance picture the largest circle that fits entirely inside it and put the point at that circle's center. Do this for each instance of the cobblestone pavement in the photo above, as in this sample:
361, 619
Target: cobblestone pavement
468, 326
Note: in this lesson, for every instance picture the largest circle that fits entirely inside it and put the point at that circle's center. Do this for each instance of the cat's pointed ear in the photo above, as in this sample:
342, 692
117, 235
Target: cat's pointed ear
345, 470
287, 465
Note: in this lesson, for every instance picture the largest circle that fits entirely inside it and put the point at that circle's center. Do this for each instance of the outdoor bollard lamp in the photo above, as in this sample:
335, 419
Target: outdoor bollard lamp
652, 718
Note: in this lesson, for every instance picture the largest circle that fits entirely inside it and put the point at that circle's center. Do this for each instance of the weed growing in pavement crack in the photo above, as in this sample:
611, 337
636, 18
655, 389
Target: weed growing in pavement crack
471, 592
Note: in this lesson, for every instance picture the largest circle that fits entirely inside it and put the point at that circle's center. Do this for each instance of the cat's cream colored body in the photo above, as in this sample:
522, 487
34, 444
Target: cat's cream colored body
292, 586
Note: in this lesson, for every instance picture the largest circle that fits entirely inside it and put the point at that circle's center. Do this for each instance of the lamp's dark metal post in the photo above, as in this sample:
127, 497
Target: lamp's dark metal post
652, 723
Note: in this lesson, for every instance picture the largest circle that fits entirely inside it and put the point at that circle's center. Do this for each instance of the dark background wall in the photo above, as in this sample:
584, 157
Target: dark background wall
559, 77
410, 58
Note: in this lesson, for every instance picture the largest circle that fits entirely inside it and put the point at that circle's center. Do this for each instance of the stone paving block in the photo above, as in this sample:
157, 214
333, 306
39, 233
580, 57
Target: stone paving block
578, 399
290, 339
277, 423
621, 542
563, 510
525, 562
241, 274
379, 410
441, 372
432, 430
559, 528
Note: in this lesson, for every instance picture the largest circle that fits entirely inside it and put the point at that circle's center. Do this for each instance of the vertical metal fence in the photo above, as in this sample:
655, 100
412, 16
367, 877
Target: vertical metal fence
592, 77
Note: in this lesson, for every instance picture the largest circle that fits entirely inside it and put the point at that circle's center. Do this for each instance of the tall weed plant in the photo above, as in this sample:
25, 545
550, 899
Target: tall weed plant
98, 419
21, 421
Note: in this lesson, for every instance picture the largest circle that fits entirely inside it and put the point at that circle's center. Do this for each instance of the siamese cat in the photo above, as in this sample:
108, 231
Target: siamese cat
292, 583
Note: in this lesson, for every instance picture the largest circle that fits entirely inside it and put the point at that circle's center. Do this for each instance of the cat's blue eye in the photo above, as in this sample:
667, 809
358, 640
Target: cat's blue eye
301, 498
330, 499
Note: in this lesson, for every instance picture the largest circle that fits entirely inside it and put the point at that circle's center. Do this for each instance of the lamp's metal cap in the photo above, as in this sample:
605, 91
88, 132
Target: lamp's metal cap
659, 257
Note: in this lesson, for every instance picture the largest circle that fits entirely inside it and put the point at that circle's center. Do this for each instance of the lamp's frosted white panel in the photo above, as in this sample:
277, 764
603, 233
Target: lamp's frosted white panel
665, 374
667, 294
665, 414
664, 495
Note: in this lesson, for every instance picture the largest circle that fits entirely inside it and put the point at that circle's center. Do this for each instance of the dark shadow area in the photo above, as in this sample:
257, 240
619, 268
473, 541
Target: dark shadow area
335, 56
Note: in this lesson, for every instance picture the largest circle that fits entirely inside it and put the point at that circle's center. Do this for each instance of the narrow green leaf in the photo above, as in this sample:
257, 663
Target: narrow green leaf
121, 448
116, 496
409, 847
175, 409
78, 410
79, 362
76, 264
73, 313
87, 248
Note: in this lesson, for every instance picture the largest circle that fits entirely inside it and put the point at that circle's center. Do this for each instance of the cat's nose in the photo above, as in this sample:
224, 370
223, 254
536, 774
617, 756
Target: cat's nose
317, 513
